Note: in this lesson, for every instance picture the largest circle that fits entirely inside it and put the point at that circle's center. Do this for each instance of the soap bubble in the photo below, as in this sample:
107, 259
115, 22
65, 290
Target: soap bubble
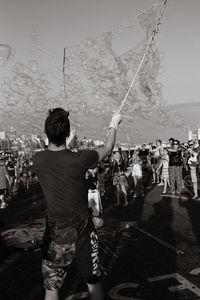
20, 68
96, 81
33, 65
43, 76
40, 47
34, 34
13, 99
5, 52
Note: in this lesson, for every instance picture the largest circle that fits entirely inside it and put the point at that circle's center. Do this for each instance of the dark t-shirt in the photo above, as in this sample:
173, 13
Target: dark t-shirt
11, 169
144, 152
62, 178
175, 158
143, 155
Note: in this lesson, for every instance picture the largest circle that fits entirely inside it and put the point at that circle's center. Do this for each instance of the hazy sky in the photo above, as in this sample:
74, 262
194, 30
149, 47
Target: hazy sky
62, 23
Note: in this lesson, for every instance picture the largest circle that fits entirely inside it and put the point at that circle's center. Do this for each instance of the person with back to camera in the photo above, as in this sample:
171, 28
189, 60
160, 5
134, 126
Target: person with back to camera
70, 231
157, 153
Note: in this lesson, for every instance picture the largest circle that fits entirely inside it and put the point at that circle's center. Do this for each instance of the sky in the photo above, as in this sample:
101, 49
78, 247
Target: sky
63, 23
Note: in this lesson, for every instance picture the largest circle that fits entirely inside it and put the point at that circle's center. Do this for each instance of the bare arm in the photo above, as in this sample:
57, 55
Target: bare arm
109, 145
165, 158
111, 137
159, 167
171, 150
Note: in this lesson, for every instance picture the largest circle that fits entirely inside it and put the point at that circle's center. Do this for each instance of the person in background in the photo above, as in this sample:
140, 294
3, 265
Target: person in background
164, 166
153, 162
91, 177
143, 154
25, 171
175, 167
4, 179
119, 179
70, 230
101, 180
10, 165
157, 153
137, 174
193, 164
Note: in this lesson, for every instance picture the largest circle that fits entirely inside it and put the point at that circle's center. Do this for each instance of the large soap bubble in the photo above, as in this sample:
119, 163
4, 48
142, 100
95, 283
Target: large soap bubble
96, 73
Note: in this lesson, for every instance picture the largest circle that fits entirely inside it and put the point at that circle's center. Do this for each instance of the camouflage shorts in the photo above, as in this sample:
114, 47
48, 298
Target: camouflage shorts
60, 256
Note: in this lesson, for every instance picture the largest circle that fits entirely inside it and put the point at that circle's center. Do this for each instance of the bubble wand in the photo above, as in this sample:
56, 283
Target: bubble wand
154, 32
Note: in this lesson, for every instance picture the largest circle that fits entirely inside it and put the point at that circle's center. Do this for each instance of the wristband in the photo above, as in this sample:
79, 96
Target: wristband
113, 124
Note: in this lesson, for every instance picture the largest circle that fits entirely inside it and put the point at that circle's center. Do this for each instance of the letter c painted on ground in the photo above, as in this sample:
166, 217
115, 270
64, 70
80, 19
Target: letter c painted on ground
114, 293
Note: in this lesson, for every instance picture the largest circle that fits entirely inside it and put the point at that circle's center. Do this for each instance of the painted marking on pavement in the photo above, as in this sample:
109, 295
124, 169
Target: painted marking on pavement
185, 284
114, 293
195, 271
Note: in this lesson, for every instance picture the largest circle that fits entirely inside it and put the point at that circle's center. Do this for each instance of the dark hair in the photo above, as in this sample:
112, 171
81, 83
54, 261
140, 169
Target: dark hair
177, 141
57, 126
190, 141
159, 141
171, 139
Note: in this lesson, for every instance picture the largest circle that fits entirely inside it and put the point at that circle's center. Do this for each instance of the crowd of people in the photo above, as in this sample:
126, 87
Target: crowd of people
174, 166
67, 174
16, 175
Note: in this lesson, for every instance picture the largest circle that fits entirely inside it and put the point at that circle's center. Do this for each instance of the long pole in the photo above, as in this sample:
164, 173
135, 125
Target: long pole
64, 74
155, 31
159, 240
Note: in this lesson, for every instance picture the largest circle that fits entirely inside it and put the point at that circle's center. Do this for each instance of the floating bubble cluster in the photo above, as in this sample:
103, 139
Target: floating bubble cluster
35, 38
96, 79
28, 94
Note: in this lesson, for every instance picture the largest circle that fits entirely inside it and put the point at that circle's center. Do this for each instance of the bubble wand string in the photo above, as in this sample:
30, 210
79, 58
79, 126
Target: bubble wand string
154, 32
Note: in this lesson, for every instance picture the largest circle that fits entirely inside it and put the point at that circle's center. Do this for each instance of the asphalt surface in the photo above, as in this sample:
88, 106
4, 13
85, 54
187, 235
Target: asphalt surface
148, 250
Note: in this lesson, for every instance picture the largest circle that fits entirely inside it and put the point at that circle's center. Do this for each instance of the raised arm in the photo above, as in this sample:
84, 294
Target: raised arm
111, 137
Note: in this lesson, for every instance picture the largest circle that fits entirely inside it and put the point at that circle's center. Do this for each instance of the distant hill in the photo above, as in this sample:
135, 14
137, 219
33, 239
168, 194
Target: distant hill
190, 111
151, 131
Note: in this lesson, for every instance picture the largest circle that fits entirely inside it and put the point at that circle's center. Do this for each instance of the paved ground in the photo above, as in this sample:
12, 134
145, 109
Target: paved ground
149, 250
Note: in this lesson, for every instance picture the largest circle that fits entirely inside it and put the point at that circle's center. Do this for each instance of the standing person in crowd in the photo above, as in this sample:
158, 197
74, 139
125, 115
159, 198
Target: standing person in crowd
17, 176
125, 159
10, 165
175, 167
119, 179
143, 155
153, 162
61, 173
91, 177
137, 174
164, 165
157, 153
101, 180
25, 171
193, 163
4, 179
